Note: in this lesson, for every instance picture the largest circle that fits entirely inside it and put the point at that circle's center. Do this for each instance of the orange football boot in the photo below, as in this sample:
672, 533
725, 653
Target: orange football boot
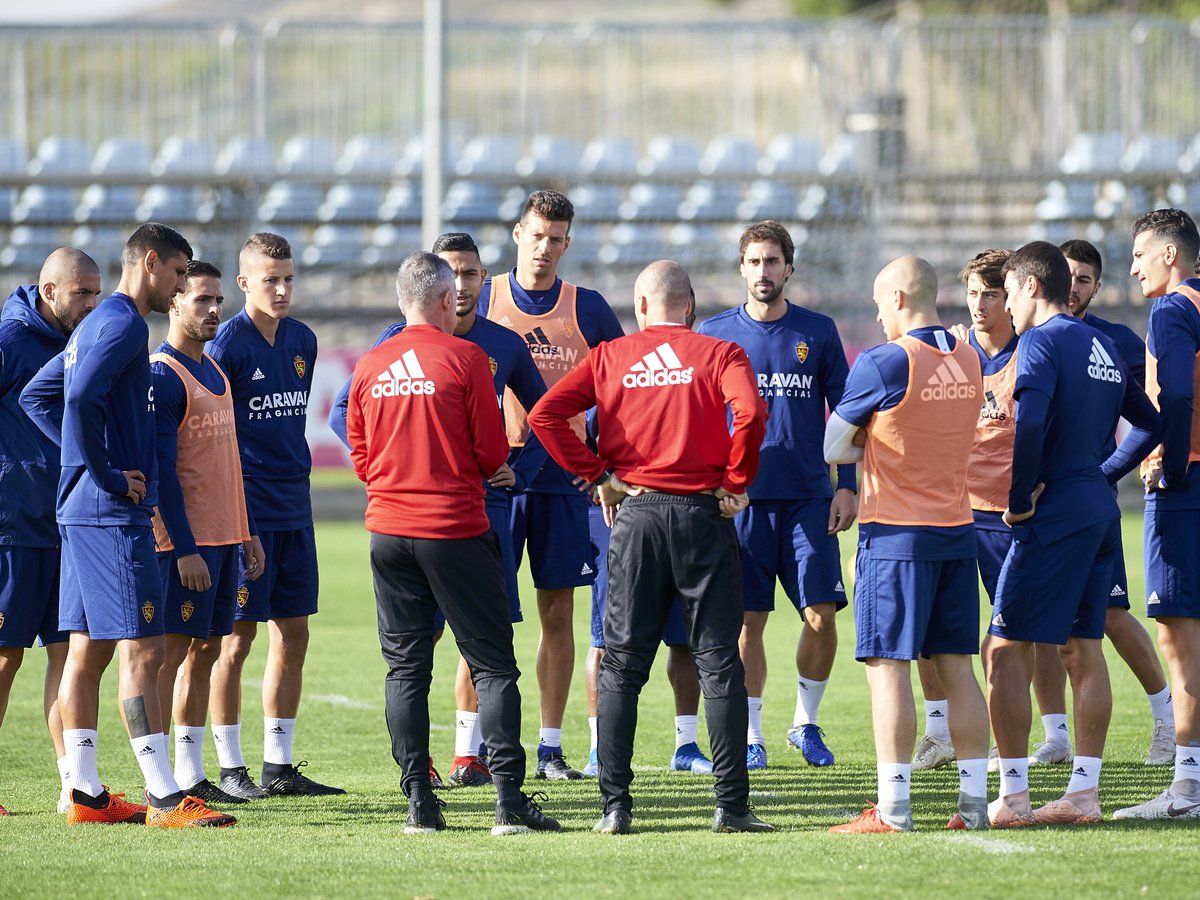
870, 822
3, 811
115, 811
190, 813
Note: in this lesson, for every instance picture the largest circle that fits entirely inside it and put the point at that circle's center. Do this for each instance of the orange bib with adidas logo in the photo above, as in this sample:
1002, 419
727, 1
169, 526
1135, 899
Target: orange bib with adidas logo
915, 459
989, 470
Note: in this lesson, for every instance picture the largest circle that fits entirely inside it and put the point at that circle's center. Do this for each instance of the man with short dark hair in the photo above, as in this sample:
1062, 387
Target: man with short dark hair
424, 430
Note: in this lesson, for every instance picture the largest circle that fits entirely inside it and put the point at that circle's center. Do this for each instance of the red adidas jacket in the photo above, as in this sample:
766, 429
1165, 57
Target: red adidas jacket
661, 398
424, 430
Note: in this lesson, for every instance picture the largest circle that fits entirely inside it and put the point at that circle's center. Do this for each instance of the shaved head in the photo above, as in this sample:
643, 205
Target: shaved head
66, 262
911, 276
665, 285
68, 288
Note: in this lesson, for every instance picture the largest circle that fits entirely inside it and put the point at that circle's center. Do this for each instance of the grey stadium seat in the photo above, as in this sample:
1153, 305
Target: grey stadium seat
670, 156
389, 244
651, 201
102, 243
768, 199
306, 156
401, 203
841, 157
1093, 151
350, 202
596, 202
28, 248
245, 157
1067, 200
183, 156
491, 156
43, 203
791, 154
106, 203
367, 154
1152, 153
334, 245
173, 203
121, 156
711, 200
61, 156
288, 201
632, 245
12, 156
551, 157
609, 158
471, 201
733, 157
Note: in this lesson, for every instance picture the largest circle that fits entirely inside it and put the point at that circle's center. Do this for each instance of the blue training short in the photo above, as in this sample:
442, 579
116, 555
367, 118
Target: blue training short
1051, 592
111, 585
905, 608
1172, 540
288, 585
674, 632
203, 614
992, 547
29, 596
498, 517
789, 540
555, 528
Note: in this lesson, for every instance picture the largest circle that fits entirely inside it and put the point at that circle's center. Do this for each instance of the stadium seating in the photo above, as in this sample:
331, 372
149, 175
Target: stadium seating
711, 201
306, 156
730, 157
28, 247
101, 203
551, 157
245, 157
182, 156
649, 201
332, 246
290, 201
61, 156
670, 156
350, 202
173, 203
471, 201
790, 154
1093, 152
402, 203
366, 155
493, 157
609, 158
41, 203
389, 244
121, 156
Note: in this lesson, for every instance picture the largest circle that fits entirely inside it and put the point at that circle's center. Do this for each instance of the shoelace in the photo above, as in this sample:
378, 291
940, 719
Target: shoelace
535, 800
193, 805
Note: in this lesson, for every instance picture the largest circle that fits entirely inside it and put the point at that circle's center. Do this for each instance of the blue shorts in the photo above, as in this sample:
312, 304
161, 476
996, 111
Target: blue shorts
1118, 592
1172, 562
1049, 593
111, 586
905, 608
555, 528
498, 516
29, 596
209, 613
992, 547
789, 540
288, 585
675, 631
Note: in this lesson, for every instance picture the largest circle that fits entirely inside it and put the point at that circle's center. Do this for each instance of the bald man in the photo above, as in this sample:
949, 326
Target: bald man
911, 406
669, 461
34, 326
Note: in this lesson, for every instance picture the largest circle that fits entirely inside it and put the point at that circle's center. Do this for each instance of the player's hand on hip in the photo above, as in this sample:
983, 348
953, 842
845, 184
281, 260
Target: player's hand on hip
193, 573
1011, 518
135, 485
843, 510
730, 504
1152, 478
860, 438
504, 477
255, 557
960, 332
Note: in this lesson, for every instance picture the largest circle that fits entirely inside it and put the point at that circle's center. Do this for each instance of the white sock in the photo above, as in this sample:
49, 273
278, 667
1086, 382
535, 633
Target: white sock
594, 730
464, 730
64, 773
189, 755
550, 737
277, 740
1161, 707
228, 739
937, 719
1187, 763
82, 773
754, 734
1056, 729
1014, 775
972, 777
155, 761
687, 730
1085, 774
808, 700
476, 735
895, 783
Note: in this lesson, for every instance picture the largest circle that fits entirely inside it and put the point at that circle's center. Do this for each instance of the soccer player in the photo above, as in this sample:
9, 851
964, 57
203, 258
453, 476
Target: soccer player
268, 358
989, 468
424, 430
36, 322
668, 457
202, 529
1165, 247
512, 369
789, 530
560, 323
1072, 387
96, 400
912, 404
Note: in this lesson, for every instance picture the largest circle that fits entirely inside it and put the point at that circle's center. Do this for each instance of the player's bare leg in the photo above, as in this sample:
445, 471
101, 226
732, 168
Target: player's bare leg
815, 652
175, 650
555, 668
189, 712
968, 721
591, 680
225, 705
1009, 671
754, 661
56, 658
468, 769
1136, 648
10, 662
935, 748
1050, 689
685, 685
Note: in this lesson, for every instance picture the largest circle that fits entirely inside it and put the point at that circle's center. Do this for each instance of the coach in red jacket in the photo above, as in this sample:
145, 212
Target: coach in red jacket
668, 458
424, 431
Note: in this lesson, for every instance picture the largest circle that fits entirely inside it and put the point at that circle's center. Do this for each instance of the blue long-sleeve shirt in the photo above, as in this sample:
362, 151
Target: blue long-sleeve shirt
512, 368
29, 468
99, 389
1173, 340
801, 370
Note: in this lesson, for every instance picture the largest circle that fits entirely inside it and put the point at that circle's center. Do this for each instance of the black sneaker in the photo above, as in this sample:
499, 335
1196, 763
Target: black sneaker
555, 768
425, 814
615, 821
238, 784
286, 780
208, 792
524, 815
727, 822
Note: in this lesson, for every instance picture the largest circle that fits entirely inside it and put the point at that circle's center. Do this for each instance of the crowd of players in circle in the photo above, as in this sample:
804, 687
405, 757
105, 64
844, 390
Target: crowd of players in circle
157, 506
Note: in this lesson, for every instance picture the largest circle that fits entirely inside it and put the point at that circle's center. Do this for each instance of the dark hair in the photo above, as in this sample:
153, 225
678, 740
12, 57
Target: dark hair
1176, 227
1045, 262
162, 239
1084, 252
989, 266
549, 205
198, 268
265, 243
768, 230
455, 242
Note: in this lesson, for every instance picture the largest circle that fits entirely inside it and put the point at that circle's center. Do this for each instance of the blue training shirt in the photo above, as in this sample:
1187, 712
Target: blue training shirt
28, 459
878, 381
1174, 340
96, 400
270, 384
512, 367
801, 369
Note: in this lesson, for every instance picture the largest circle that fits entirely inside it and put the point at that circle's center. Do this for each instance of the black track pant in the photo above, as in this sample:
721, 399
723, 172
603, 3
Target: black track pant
663, 545
465, 579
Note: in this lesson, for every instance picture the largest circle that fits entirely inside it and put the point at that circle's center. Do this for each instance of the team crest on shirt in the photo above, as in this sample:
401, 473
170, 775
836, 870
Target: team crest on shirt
148, 611
186, 610
568, 328
243, 596
802, 351
493, 365
1, 620
301, 367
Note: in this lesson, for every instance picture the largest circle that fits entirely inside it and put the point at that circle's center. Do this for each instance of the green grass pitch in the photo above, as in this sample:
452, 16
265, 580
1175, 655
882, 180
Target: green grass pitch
353, 845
